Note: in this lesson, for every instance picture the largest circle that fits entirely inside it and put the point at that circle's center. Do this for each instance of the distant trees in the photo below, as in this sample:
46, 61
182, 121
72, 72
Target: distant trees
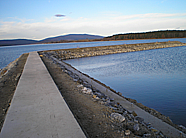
132, 36
149, 35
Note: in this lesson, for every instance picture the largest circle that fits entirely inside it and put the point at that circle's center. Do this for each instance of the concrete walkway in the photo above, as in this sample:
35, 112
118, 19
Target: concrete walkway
168, 130
37, 108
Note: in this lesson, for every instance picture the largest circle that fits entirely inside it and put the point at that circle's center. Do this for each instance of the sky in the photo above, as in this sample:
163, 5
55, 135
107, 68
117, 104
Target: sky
39, 19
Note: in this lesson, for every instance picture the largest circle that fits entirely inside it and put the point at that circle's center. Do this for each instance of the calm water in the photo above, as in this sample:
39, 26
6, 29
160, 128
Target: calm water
156, 78
10, 53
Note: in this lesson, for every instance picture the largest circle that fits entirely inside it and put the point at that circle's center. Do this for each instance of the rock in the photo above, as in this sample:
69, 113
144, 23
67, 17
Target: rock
111, 99
18, 76
118, 117
113, 108
94, 89
161, 135
84, 89
127, 132
153, 130
119, 93
134, 113
118, 111
130, 116
79, 85
100, 95
94, 96
102, 103
88, 85
75, 80
136, 121
139, 119
87, 90
136, 127
113, 104
146, 135
180, 126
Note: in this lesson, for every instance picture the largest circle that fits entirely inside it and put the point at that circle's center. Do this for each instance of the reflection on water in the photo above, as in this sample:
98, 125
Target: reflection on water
156, 78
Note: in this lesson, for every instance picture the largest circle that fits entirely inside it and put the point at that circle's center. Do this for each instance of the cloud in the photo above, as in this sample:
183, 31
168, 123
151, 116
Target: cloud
106, 26
59, 15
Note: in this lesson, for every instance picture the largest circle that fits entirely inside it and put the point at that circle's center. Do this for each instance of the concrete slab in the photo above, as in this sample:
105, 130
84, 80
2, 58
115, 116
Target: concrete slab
155, 122
38, 109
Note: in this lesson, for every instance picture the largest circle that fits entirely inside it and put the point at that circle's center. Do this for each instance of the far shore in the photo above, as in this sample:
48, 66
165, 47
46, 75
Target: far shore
90, 40
64, 54
11, 74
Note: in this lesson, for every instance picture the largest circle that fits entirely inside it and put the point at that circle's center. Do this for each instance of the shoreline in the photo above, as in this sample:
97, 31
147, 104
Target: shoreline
9, 78
113, 40
80, 77
72, 79
110, 103
64, 54
61, 55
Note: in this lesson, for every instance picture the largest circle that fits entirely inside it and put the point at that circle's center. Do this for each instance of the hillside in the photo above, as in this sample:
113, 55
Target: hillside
66, 38
149, 35
89, 38
17, 42
71, 37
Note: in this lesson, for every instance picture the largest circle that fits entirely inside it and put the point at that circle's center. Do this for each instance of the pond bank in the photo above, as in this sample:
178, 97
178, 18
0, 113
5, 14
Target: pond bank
99, 117
58, 55
9, 78
64, 54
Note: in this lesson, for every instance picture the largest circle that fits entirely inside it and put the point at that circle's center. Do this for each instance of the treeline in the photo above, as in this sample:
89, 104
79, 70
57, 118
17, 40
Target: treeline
132, 36
149, 35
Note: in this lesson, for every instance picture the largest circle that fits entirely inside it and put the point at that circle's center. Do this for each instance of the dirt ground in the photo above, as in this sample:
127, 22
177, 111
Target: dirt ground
91, 115
8, 85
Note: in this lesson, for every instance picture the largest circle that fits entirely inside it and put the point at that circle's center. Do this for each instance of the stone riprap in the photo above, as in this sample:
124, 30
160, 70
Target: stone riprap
125, 116
134, 123
64, 54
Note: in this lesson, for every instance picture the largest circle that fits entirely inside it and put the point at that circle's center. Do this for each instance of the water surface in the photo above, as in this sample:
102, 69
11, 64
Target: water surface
155, 78
10, 53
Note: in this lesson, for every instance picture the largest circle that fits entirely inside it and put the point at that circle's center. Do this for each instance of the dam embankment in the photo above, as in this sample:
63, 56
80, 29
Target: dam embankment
132, 125
58, 55
64, 54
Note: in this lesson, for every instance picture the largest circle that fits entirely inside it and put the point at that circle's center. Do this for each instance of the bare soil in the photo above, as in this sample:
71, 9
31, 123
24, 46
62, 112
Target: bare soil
91, 115
8, 85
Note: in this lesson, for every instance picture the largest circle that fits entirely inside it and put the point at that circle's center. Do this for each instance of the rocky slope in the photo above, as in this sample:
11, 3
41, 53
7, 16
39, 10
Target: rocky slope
64, 54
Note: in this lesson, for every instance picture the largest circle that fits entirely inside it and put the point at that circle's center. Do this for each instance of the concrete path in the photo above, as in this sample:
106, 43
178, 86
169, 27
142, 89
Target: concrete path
168, 130
37, 108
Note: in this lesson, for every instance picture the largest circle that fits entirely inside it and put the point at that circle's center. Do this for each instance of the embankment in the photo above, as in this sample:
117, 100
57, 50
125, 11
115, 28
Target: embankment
64, 54
9, 77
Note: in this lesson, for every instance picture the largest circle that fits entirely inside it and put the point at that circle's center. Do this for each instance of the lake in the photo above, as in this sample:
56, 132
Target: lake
10, 53
155, 78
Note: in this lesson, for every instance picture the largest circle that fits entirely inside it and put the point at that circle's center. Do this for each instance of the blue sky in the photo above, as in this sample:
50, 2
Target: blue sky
35, 19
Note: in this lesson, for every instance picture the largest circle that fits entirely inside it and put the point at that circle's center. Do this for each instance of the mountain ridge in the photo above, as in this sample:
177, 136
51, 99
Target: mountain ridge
161, 34
69, 37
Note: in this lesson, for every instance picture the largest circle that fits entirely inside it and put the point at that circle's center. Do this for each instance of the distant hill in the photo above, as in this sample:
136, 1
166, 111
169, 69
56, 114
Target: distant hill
149, 35
17, 42
70, 37
86, 38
